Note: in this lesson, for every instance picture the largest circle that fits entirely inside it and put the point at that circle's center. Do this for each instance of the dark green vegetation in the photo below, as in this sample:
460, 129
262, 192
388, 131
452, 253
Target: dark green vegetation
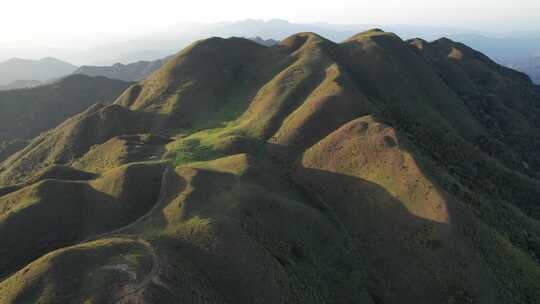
26, 113
372, 171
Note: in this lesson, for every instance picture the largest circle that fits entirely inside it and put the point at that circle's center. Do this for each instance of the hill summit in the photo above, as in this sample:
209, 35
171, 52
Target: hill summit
373, 171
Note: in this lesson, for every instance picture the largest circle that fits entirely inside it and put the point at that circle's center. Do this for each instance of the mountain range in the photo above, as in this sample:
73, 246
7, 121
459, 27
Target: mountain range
167, 41
45, 69
126, 72
374, 170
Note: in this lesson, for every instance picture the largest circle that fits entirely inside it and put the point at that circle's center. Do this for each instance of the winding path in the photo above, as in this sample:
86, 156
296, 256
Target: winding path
130, 290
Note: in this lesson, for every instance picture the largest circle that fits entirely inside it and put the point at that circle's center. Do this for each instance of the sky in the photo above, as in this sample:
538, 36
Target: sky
61, 23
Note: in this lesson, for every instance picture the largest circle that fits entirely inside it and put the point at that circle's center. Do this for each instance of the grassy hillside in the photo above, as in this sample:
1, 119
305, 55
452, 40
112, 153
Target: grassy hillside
51, 213
372, 171
25, 113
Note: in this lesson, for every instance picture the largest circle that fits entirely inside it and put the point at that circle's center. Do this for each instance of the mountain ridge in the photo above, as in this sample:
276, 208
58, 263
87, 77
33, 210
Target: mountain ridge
127, 72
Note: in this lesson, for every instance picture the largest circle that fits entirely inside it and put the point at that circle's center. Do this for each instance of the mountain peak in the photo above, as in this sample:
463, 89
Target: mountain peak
219, 58
370, 34
52, 60
419, 43
456, 50
296, 41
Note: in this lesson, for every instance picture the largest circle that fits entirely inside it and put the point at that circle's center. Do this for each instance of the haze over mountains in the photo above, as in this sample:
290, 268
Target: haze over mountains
103, 60
21, 84
374, 170
45, 69
169, 40
127, 72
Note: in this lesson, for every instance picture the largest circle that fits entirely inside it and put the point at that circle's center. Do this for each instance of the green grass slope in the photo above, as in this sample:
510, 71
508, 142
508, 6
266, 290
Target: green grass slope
25, 113
69, 141
371, 171
52, 213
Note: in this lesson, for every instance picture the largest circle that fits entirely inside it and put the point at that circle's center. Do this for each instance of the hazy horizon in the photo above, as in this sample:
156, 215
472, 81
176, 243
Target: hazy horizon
61, 23
104, 32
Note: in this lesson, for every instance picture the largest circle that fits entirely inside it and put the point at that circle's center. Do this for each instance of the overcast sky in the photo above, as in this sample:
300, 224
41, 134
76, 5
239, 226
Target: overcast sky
55, 22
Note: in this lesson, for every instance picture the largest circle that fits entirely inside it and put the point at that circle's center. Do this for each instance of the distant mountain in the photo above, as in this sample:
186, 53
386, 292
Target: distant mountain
528, 65
169, 40
16, 69
172, 39
265, 42
375, 170
25, 113
508, 45
126, 72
